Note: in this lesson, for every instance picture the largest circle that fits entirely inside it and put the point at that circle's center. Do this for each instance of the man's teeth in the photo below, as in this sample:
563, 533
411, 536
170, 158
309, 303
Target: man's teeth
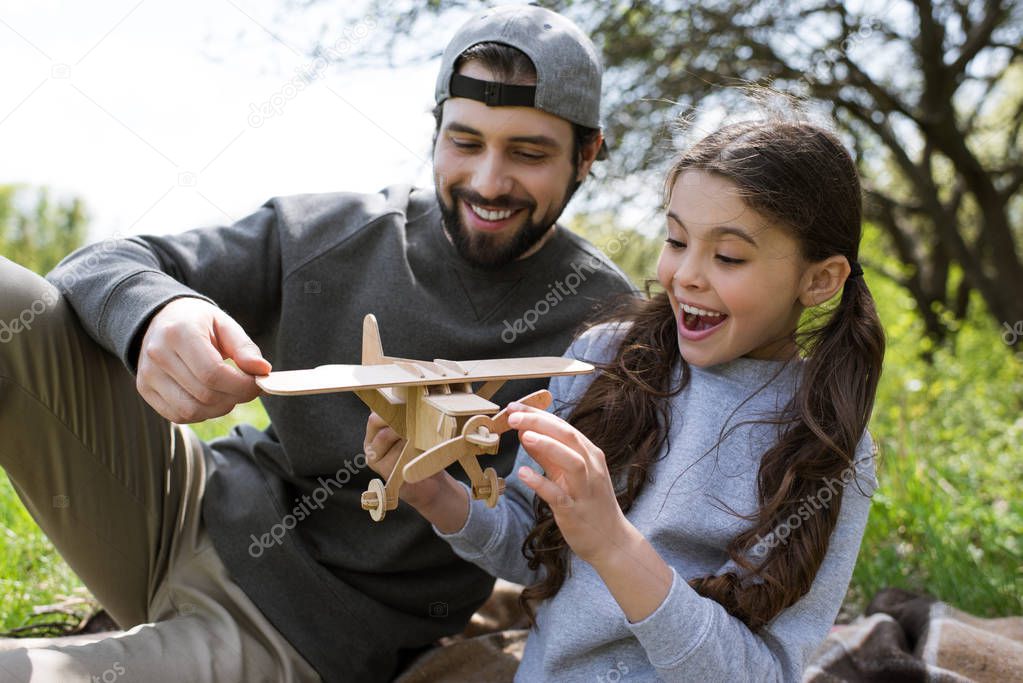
491, 215
699, 311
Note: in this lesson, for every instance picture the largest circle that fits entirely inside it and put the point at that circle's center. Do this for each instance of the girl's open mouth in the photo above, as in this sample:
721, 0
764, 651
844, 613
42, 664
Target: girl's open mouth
697, 323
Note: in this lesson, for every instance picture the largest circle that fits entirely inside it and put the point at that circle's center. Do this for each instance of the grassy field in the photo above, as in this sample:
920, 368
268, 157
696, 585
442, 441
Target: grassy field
947, 518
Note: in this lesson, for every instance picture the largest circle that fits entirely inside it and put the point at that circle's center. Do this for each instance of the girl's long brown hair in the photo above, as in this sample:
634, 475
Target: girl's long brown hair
801, 177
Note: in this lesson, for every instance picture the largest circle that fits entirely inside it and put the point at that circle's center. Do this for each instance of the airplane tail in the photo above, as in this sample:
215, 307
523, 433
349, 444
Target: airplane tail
372, 349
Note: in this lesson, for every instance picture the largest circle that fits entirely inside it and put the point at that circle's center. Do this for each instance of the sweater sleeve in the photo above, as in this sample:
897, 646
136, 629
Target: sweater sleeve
492, 538
116, 286
690, 637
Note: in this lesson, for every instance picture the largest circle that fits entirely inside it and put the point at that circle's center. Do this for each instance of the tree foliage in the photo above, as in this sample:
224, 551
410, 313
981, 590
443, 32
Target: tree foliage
36, 231
929, 95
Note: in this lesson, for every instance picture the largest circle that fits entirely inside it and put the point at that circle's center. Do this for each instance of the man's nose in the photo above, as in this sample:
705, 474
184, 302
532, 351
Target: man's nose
491, 179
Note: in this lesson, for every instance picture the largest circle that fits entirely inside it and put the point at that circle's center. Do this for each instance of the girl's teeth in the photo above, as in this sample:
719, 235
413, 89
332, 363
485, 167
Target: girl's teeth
699, 311
491, 215
695, 322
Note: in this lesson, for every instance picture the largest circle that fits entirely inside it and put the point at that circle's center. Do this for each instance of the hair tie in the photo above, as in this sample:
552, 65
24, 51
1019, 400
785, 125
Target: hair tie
855, 269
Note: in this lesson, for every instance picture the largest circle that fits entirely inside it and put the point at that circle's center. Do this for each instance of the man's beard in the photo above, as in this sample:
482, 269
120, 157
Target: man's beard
488, 250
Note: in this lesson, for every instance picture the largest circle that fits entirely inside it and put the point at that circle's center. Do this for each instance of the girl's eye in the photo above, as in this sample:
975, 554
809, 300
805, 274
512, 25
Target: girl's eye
675, 244
730, 261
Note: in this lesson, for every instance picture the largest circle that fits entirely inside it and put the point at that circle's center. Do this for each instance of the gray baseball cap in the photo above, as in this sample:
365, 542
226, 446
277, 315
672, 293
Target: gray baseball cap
568, 66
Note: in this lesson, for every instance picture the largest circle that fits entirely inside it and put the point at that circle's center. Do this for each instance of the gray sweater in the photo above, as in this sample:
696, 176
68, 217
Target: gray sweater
355, 597
582, 633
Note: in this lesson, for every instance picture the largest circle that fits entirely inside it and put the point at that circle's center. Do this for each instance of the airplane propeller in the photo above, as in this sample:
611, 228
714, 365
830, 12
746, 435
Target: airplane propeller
479, 435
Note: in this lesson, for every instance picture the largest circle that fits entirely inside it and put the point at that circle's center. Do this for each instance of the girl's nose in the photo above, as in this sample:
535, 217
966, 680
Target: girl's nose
689, 274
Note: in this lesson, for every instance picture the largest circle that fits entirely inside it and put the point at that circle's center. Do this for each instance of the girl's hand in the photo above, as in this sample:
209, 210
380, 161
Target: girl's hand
382, 446
577, 485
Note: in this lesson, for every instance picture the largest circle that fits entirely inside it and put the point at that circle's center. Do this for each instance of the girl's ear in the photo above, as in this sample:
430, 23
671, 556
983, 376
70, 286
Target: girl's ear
823, 279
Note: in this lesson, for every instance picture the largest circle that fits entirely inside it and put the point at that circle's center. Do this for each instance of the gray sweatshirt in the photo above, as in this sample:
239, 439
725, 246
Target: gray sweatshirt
583, 635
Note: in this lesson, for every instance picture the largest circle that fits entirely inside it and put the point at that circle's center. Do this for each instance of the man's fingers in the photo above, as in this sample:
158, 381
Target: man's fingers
157, 403
202, 392
172, 401
236, 345
210, 371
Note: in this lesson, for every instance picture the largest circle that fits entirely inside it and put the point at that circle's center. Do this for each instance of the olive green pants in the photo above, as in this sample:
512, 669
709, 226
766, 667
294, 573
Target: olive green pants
119, 489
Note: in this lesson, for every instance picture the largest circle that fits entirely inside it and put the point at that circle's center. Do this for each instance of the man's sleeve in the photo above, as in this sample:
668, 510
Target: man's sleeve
117, 285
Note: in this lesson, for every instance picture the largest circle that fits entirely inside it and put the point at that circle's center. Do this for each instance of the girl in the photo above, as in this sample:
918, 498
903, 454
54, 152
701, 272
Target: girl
700, 509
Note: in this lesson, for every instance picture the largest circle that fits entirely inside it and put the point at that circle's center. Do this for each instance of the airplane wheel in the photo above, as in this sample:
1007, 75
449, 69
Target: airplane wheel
375, 500
495, 486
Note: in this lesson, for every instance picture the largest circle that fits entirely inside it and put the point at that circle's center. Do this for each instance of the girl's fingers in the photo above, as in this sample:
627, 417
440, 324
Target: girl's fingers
546, 423
375, 423
383, 443
555, 457
379, 437
550, 492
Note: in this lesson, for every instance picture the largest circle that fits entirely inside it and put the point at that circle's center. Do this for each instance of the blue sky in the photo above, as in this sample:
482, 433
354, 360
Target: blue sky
147, 111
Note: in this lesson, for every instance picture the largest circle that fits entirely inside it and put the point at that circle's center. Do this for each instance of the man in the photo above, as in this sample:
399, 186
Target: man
250, 558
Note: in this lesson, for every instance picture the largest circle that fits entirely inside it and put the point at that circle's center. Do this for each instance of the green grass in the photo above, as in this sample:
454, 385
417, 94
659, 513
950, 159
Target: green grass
31, 572
248, 413
947, 518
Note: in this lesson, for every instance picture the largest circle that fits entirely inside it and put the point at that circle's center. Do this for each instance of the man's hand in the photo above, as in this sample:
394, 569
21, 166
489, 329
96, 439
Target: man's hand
181, 368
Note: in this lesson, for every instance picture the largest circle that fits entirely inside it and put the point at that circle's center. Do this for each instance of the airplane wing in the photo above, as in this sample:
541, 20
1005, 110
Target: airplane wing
331, 378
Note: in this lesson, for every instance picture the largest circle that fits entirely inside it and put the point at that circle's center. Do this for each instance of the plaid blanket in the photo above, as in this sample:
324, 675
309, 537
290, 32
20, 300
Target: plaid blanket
488, 650
908, 637
902, 637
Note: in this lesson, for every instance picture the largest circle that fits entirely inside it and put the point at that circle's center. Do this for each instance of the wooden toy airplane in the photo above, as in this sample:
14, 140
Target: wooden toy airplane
430, 404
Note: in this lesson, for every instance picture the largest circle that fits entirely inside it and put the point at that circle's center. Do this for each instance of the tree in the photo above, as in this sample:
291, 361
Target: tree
37, 232
929, 95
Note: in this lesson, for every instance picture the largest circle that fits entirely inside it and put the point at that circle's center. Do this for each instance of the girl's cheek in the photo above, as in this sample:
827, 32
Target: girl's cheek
665, 270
